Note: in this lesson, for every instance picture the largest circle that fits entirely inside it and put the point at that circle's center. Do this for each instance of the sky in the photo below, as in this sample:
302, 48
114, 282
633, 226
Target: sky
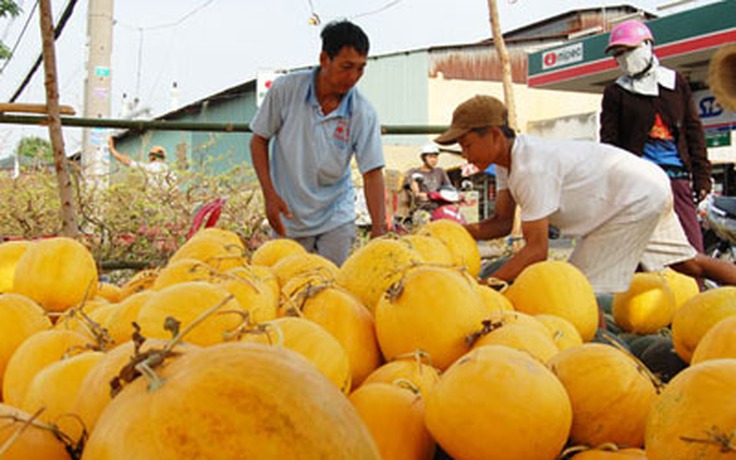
206, 46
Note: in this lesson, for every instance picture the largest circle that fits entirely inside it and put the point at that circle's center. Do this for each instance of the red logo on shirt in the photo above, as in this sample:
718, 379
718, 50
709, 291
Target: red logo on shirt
342, 131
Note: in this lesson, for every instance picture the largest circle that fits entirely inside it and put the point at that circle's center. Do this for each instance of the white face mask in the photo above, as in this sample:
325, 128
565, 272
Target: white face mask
636, 60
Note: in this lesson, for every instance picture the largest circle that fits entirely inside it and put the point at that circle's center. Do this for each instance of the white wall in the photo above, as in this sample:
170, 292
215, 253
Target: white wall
531, 104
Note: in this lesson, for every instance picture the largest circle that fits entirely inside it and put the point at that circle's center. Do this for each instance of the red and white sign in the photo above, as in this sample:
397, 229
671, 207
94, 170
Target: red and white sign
263, 83
562, 56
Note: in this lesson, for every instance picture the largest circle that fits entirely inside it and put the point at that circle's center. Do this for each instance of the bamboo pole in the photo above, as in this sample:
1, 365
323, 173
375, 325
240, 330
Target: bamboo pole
68, 215
503, 54
508, 87
163, 125
33, 108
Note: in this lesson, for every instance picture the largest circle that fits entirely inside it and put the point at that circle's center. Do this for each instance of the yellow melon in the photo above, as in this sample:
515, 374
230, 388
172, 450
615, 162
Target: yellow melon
54, 389
109, 291
523, 338
20, 318
270, 252
344, 316
234, 401
58, 273
395, 417
140, 281
647, 306
432, 249
558, 288
306, 266
432, 309
369, 271
110, 373
28, 439
694, 418
10, 252
718, 342
183, 270
313, 342
610, 395
564, 333
119, 324
497, 402
459, 241
683, 287
220, 253
493, 300
34, 354
413, 368
255, 295
187, 303
696, 316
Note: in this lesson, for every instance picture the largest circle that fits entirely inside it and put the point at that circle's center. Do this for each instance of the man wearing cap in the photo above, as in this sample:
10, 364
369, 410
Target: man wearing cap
426, 178
618, 206
156, 168
649, 111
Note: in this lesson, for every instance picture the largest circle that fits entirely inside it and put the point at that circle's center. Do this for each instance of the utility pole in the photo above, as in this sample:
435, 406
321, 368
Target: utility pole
95, 162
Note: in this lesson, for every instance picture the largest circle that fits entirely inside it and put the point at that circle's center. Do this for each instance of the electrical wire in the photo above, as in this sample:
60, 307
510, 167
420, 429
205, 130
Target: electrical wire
170, 24
315, 20
388, 5
20, 37
142, 30
57, 33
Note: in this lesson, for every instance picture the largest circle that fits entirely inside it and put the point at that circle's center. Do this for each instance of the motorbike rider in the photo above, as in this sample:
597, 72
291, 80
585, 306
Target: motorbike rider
426, 178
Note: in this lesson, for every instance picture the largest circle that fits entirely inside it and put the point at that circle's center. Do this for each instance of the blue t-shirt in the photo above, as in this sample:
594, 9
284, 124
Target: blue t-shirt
660, 146
311, 152
662, 152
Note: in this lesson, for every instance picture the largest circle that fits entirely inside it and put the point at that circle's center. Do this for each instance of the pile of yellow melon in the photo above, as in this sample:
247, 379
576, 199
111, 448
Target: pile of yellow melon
400, 353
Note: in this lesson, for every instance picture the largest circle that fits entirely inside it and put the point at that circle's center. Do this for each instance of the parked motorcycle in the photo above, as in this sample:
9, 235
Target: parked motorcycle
719, 234
441, 204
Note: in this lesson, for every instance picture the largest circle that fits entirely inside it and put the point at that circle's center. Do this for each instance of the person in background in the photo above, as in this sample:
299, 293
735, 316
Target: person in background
427, 177
315, 122
649, 111
156, 158
618, 206
157, 171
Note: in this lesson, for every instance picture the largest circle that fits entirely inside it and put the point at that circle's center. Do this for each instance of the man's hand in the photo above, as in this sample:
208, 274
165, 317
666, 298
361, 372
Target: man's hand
700, 195
275, 207
378, 230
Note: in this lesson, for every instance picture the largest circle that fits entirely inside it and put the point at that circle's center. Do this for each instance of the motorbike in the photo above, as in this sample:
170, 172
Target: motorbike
719, 235
443, 203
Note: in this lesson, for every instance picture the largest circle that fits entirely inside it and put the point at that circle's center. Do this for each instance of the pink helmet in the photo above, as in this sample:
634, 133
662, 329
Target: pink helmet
629, 33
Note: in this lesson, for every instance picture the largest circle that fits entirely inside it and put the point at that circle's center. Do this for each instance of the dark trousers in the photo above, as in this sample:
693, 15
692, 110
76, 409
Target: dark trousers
687, 212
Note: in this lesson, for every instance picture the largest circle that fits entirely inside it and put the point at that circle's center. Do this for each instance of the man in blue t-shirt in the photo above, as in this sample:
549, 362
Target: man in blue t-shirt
316, 122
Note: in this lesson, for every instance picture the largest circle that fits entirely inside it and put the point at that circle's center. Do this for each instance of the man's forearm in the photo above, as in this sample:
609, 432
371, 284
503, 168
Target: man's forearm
259, 157
489, 229
374, 189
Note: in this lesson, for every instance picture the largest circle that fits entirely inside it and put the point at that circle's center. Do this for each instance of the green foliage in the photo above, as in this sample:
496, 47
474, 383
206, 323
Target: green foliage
7, 8
4, 51
132, 222
36, 149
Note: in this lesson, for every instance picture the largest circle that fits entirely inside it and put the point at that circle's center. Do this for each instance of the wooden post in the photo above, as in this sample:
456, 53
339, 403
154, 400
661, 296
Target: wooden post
68, 215
508, 82
508, 86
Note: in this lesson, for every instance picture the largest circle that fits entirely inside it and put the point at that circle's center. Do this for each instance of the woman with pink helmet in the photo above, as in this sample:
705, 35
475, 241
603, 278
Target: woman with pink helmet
649, 111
